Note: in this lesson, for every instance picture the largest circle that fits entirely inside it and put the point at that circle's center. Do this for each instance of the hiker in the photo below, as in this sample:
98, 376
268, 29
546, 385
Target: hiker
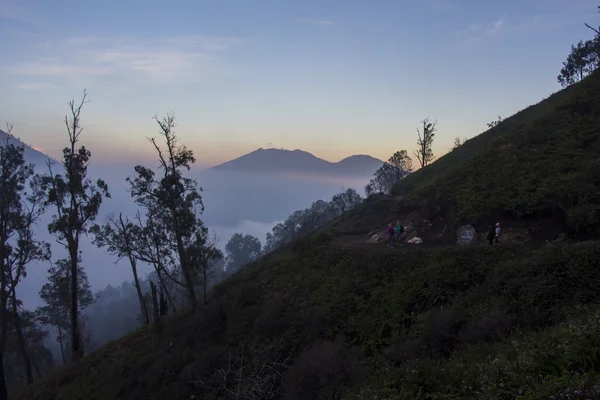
390, 232
399, 231
497, 232
491, 234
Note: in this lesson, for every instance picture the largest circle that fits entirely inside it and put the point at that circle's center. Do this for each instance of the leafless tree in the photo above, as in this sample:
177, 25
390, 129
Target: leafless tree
250, 373
424, 152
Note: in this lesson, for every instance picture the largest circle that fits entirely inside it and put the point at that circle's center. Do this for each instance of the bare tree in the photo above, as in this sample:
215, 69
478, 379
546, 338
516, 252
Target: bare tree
597, 31
249, 373
424, 152
76, 201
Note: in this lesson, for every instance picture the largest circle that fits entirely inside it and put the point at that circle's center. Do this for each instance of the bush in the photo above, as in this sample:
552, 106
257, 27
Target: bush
322, 371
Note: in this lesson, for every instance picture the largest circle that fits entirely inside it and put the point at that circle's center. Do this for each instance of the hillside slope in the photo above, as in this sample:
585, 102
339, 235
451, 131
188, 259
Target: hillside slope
31, 155
537, 173
329, 318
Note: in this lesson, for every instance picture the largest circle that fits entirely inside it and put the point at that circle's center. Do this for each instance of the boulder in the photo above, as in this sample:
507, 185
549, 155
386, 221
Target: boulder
466, 235
415, 240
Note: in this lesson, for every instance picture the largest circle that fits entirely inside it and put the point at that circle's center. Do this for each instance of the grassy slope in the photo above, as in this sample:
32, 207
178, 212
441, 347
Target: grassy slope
486, 323
544, 155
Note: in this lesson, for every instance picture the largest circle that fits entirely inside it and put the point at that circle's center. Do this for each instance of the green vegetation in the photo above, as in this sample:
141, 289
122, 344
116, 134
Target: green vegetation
501, 320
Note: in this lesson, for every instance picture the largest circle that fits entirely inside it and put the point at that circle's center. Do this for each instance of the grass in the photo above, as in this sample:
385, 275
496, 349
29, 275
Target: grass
315, 321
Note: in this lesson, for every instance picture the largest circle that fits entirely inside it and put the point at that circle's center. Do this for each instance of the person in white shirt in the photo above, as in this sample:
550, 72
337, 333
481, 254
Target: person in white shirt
497, 232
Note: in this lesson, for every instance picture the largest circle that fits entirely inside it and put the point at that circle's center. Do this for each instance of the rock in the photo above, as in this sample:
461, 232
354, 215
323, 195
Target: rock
377, 237
415, 240
465, 235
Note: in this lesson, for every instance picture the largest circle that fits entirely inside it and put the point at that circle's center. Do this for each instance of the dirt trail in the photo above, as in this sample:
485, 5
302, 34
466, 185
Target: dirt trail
359, 242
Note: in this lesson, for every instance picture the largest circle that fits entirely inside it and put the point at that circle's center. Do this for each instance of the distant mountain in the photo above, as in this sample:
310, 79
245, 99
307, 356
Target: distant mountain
31, 155
299, 162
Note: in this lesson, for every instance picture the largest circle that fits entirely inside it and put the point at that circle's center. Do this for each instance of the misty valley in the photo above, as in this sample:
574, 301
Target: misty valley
247, 198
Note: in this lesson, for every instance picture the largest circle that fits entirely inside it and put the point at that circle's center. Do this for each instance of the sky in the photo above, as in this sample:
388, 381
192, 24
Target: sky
332, 77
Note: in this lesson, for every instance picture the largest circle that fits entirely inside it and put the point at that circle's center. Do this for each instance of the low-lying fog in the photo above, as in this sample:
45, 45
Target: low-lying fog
244, 203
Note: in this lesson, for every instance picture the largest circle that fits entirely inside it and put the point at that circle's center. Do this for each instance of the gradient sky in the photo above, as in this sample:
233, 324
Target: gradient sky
331, 77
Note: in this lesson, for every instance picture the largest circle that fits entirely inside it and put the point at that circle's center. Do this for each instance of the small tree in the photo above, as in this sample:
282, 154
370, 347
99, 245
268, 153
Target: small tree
120, 236
458, 142
240, 250
76, 202
581, 62
202, 253
26, 348
492, 124
424, 152
56, 294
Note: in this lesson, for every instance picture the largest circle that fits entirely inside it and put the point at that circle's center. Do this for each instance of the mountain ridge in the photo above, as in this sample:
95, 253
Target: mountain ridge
31, 155
298, 161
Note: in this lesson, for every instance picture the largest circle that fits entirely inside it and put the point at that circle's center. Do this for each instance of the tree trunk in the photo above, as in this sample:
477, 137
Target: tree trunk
138, 288
21, 338
156, 310
163, 284
205, 283
185, 268
37, 369
3, 332
62, 347
76, 347
132, 261
164, 308
3, 389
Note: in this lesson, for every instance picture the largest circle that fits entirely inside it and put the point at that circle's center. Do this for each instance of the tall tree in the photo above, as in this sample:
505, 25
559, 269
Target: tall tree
424, 152
240, 250
120, 236
172, 200
57, 296
581, 62
21, 202
76, 201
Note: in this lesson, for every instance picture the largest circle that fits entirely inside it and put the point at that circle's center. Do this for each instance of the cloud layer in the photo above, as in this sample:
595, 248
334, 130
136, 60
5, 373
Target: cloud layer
115, 60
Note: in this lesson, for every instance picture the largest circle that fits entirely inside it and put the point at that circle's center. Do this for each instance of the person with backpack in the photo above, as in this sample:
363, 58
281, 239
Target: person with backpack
390, 232
399, 231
